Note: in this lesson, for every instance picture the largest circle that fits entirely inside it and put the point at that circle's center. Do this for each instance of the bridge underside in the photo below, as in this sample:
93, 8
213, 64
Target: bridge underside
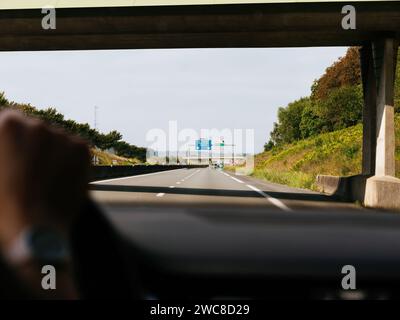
252, 25
203, 26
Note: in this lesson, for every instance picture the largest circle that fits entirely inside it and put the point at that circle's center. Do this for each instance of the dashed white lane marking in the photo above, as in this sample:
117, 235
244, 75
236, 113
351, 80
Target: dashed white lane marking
189, 176
179, 182
136, 176
160, 194
274, 201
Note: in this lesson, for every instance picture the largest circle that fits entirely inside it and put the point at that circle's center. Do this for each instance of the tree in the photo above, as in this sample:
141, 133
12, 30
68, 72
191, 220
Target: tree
124, 149
276, 138
269, 145
311, 124
288, 129
109, 140
3, 99
92, 136
336, 102
344, 72
50, 115
341, 108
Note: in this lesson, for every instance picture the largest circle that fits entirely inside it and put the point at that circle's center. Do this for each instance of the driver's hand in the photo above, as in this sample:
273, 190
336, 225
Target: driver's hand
43, 175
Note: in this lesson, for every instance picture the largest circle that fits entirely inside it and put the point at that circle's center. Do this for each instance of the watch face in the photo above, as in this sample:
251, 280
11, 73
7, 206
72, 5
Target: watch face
47, 245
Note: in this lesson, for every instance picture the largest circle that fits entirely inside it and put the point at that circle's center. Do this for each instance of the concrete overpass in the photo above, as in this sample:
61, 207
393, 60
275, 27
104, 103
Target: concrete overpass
126, 24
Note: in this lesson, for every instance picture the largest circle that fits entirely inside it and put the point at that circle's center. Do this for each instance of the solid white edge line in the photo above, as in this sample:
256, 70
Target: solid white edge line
273, 200
237, 180
138, 175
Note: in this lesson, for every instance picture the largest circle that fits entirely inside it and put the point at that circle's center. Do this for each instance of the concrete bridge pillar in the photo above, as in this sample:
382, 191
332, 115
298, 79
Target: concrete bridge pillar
378, 63
369, 110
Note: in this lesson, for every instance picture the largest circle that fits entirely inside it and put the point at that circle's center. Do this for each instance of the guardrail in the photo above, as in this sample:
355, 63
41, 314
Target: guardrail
109, 172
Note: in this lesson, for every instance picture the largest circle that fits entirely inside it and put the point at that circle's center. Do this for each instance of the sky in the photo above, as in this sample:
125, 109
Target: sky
137, 91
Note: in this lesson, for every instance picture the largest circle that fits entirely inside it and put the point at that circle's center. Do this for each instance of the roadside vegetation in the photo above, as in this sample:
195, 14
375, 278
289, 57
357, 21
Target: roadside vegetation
102, 145
108, 159
322, 133
334, 153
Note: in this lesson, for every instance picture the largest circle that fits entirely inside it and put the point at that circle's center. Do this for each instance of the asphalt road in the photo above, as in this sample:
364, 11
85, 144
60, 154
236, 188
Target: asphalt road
210, 222
208, 188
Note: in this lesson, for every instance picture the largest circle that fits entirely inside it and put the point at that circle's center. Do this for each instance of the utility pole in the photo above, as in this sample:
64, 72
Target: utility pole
95, 116
233, 151
95, 160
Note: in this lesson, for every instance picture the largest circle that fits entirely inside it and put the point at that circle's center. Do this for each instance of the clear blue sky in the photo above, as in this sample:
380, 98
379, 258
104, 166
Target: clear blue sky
138, 90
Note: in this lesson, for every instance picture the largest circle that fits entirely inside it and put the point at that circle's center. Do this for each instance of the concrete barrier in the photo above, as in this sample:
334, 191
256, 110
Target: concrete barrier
383, 192
109, 172
331, 184
351, 188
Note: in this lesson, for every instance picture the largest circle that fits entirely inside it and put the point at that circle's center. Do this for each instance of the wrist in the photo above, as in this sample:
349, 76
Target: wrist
32, 249
42, 245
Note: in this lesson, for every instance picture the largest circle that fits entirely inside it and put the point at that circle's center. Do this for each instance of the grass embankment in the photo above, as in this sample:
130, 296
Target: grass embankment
333, 153
107, 159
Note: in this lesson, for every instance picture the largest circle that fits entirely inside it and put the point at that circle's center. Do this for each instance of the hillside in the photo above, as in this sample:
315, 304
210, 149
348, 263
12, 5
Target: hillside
334, 153
107, 159
322, 133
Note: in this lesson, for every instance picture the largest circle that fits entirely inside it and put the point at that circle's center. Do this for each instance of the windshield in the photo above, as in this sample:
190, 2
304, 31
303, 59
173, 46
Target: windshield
210, 151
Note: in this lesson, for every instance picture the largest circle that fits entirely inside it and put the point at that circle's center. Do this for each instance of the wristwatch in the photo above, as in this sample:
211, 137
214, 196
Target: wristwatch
39, 244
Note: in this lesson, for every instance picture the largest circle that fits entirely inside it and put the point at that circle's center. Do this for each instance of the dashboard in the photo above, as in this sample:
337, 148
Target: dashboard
234, 254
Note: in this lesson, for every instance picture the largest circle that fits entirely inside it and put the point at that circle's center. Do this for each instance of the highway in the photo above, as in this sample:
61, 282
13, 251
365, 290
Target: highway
205, 223
208, 188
